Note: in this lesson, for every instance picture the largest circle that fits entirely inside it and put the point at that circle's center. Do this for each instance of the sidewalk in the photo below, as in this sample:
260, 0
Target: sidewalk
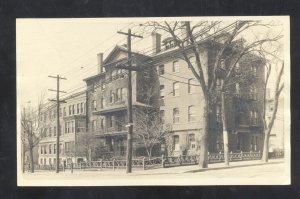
243, 172
215, 166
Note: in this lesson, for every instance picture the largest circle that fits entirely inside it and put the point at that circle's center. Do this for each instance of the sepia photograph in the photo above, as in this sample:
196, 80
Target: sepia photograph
153, 101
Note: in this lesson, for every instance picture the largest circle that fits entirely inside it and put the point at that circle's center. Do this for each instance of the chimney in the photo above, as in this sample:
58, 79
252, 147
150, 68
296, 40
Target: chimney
100, 63
156, 42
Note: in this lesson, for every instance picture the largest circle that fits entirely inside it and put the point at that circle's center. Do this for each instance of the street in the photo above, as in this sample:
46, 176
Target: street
245, 172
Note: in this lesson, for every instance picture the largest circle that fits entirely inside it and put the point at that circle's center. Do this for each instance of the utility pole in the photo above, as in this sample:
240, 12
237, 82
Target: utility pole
129, 101
57, 116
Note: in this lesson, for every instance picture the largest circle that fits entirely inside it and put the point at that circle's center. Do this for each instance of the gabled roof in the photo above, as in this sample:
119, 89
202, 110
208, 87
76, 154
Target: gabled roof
117, 49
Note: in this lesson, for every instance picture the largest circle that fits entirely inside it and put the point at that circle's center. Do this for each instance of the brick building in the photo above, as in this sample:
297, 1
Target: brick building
72, 127
179, 96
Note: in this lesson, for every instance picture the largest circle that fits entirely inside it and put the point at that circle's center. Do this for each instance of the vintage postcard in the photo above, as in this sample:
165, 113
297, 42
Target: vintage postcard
153, 101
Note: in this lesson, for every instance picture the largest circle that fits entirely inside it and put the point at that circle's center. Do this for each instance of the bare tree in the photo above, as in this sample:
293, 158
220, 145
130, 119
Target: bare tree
149, 126
189, 44
279, 85
33, 128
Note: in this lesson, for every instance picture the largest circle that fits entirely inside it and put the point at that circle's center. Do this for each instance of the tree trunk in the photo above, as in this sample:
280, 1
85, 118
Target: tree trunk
265, 155
203, 142
225, 132
31, 160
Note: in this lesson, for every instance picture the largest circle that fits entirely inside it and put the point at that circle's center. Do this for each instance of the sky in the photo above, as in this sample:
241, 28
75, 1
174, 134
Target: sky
66, 47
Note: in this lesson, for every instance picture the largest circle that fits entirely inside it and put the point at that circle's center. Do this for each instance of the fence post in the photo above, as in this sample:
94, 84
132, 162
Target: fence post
241, 155
220, 156
113, 164
143, 163
63, 165
162, 161
180, 161
71, 167
251, 156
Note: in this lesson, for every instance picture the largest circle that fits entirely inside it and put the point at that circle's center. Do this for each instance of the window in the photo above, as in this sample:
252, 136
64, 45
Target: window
218, 83
161, 70
222, 64
253, 93
54, 113
218, 113
114, 73
81, 108
191, 87
45, 149
110, 118
175, 66
78, 108
162, 116
42, 151
102, 101
66, 128
192, 113
60, 148
146, 75
123, 94
73, 109
94, 125
54, 149
237, 88
73, 127
192, 141
65, 113
50, 147
118, 94
162, 91
50, 162
176, 89
102, 123
70, 110
253, 117
50, 132
253, 69
94, 105
54, 131
175, 115
60, 113
111, 96
176, 142
44, 161
237, 68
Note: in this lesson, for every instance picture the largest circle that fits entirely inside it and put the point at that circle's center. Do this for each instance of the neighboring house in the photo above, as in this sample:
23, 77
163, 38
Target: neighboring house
72, 128
276, 142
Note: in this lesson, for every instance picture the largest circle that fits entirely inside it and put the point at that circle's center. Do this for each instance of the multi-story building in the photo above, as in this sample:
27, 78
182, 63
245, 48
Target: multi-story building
107, 100
276, 140
72, 128
180, 98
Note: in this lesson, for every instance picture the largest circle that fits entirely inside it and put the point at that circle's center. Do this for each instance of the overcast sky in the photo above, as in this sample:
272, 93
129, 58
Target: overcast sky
67, 47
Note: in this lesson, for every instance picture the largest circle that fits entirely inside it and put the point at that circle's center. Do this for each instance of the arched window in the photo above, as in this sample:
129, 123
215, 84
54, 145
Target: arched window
175, 66
192, 113
176, 89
